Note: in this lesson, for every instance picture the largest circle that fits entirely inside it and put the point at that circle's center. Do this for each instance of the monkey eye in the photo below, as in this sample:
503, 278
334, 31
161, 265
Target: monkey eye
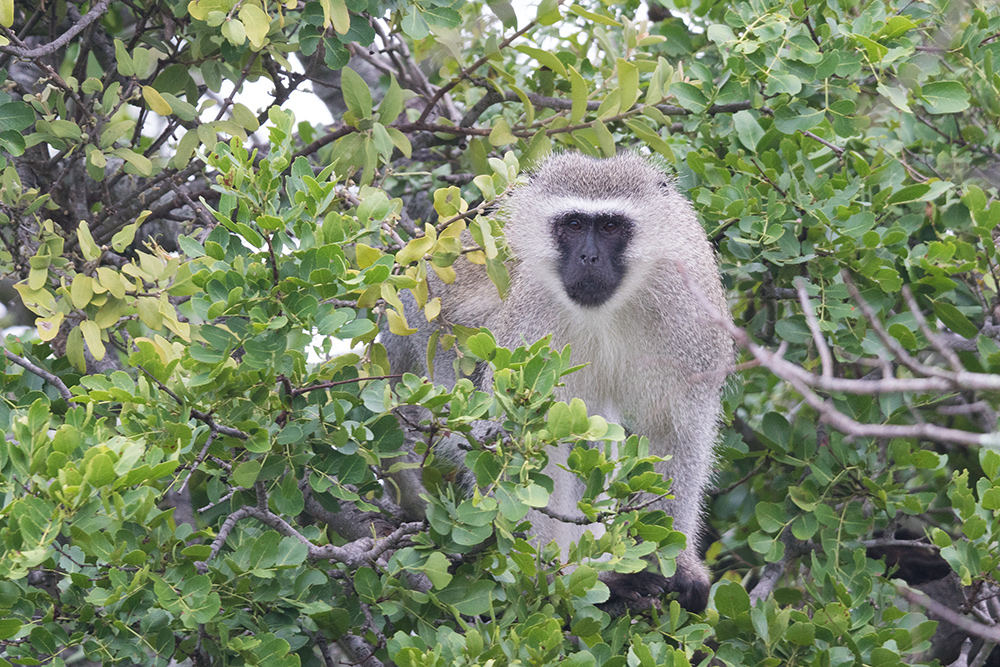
610, 226
574, 225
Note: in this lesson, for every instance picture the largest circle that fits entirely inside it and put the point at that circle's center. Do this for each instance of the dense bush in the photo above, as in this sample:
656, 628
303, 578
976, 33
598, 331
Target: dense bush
200, 420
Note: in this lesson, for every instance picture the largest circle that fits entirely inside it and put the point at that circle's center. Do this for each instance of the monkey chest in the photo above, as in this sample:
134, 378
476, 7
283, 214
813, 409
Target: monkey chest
624, 381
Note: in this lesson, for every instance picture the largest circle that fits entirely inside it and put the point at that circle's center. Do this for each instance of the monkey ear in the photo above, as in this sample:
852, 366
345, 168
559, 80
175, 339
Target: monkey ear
668, 183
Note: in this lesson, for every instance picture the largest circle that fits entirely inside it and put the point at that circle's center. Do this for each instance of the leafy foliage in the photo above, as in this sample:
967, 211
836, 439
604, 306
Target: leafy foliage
201, 432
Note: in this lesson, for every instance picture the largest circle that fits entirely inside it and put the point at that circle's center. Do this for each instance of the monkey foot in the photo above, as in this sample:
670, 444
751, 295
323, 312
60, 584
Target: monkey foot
642, 590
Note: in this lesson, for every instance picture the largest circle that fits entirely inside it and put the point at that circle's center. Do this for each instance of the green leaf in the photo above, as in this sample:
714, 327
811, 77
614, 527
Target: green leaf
593, 16
770, 516
141, 163
952, 318
720, 33
413, 23
501, 135
245, 117
367, 584
548, 12
895, 95
16, 116
802, 633
578, 92
782, 82
945, 97
628, 83
125, 65
9, 626
796, 117
873, 49
246, 473
545, 58
436, 569
731, 599
896, 26
532, 495
748, 130
689, 96
357, 96
392, 104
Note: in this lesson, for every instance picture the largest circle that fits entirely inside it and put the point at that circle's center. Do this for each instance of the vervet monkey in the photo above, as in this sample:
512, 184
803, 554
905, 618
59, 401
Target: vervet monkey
605, 256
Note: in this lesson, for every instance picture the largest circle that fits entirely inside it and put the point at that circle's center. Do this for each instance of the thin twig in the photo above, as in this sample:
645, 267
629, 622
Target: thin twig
198, 460
444, 90
826, 359
943, 350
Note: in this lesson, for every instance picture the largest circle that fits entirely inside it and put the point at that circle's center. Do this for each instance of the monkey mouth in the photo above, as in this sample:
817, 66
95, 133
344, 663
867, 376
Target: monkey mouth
590, 292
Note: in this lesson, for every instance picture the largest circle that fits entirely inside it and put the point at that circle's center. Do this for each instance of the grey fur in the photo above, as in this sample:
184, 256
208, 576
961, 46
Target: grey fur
656, 362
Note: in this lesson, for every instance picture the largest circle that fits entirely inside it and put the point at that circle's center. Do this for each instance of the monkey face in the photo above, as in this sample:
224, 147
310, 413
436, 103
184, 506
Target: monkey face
591, 246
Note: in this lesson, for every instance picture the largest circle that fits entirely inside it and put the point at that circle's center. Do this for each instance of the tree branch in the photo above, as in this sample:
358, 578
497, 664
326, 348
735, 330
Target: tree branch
990, 633
25, 53
40, 372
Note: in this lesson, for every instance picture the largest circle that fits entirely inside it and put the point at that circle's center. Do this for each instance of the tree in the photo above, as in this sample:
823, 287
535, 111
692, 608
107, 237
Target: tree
194, 468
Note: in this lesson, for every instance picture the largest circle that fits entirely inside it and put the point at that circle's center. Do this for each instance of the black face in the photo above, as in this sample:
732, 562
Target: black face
591, 254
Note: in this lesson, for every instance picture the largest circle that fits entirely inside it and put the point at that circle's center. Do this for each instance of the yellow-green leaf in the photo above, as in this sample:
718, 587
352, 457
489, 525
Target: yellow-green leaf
74, 350
398, 324
140, 162
185, 149
604, 139
149, 312
123, 237
591, 16
414, 250
335, 13
433, 308
245, 117
112, 281
81, 290
92, 334
501, 135
366, 255
200, 9
48, 327
156, 101
90, 250
112, 311
578, 92
96, 157
6, 13
257, 24
545, 58
548, 12
125, 65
